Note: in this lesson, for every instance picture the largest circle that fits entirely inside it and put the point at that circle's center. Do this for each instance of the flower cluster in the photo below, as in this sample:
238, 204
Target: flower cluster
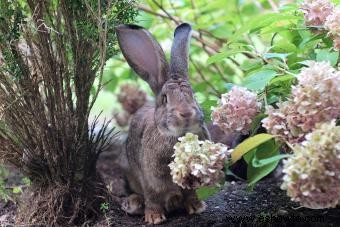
316, 11
336, 43
122, 118
281, 122
333, 26
236, 111
312, 174
332, 22
315, 99
323, 13
131, 98
198, 163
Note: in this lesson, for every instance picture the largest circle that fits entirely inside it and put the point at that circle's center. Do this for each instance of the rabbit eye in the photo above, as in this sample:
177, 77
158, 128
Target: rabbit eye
164, 99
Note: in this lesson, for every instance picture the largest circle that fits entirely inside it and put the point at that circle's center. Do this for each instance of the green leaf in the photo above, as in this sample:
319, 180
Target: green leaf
26, 181
282, 79
205, 192
206, 106
251, 64
257, 122
248, 145
258, 80
264, 151
223, 55
261, 21
249, 156
262, 162
229, 86
284, 46
281, 56
17, 190
326, 55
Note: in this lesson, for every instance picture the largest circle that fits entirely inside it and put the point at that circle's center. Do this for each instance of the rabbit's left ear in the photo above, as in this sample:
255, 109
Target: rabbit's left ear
180, 51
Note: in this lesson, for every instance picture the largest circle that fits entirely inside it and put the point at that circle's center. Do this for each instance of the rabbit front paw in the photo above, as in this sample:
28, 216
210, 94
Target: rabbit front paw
195, 206
154, 217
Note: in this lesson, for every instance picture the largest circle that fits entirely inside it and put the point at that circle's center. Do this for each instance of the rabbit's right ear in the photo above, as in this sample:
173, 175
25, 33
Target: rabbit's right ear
144, 55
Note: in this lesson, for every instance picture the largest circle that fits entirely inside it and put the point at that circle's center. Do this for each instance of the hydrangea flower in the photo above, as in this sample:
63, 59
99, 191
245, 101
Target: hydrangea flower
315, 99
236, 111
198, 163
336, 43
312, 173
316, 11
131, 98
317, 95
281, 122
122, 118
332, 22
333, 25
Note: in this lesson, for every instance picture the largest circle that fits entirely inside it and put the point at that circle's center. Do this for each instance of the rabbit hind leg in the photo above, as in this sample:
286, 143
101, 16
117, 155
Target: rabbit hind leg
133, 204
192, 204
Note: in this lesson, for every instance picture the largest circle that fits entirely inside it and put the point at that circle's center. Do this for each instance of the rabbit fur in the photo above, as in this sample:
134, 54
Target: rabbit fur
155, 127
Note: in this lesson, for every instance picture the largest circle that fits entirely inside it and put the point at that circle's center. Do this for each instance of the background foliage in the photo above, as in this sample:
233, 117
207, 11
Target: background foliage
260, 45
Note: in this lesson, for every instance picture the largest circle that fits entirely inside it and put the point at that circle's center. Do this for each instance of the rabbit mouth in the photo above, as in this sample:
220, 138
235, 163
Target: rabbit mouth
180, 130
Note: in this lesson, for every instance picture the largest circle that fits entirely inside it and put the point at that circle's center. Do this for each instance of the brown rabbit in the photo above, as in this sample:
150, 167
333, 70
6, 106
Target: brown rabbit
155, 129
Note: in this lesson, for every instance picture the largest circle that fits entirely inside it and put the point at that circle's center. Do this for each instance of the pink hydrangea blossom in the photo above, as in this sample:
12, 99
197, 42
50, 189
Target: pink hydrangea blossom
316, 11
236, 111
317, 95
315, 99
332, 22
336, 43
333, 25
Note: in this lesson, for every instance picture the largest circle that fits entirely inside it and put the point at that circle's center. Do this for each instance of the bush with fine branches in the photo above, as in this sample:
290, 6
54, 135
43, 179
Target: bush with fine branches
51, 52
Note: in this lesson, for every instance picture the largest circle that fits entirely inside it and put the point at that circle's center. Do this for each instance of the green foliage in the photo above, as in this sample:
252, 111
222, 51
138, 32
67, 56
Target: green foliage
205, 192
248, 145
10, 192
243, 43
104, 207
261, 161
4, 192
257, 81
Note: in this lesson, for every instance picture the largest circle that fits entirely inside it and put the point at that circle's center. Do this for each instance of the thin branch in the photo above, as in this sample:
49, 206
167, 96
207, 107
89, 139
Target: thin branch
198, 36
213, 49
216, 92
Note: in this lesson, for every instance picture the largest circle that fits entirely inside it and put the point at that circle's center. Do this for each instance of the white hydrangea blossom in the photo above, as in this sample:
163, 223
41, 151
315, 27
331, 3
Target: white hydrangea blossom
198, 163
312, 174
236, 111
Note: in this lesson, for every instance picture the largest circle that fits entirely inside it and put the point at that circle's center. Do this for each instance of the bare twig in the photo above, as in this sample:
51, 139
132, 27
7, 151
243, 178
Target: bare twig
201, 74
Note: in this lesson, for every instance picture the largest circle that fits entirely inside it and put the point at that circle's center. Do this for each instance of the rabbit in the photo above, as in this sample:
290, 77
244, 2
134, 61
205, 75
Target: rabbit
156, 127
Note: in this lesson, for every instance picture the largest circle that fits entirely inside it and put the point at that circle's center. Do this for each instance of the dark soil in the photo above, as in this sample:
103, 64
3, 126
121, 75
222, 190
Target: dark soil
266, 205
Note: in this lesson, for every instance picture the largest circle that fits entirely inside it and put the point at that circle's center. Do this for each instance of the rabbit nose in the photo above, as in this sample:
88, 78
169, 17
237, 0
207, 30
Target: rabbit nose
185, 114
